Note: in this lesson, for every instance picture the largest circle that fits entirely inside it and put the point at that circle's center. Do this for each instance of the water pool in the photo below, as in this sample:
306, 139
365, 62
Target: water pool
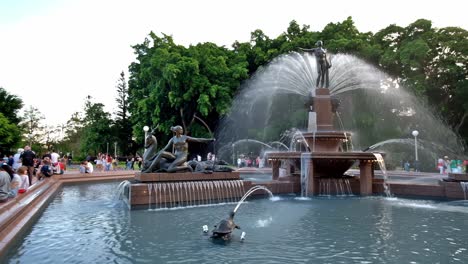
84, 224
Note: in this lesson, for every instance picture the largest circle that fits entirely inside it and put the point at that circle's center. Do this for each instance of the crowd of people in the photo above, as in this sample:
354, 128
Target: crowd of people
18, 172
106, 162
446, 165
246, 161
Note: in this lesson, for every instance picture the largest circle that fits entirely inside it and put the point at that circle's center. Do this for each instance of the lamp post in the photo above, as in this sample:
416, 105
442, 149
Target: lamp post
146, 129
415, 134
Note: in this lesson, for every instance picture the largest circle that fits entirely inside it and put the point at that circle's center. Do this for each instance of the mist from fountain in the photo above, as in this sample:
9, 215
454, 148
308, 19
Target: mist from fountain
374, 106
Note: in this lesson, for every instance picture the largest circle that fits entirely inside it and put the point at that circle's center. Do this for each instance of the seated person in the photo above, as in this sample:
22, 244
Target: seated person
4, 184
23, 173
63, 166
45, 170
86, 167
14, 185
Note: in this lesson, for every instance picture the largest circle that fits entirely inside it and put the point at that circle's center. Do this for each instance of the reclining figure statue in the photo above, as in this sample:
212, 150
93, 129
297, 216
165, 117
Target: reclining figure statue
176, 161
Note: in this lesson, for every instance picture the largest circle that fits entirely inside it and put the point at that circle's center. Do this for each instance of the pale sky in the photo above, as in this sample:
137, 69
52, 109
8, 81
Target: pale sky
53, 53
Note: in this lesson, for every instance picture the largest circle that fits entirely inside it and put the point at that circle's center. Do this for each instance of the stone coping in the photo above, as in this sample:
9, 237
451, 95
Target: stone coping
17, 215
357, 155
186, 176
458, 176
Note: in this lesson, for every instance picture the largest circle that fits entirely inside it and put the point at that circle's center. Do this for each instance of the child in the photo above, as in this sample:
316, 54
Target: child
46, 169
23, 173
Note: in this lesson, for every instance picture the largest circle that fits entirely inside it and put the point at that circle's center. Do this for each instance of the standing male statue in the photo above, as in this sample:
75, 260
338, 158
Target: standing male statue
323, 64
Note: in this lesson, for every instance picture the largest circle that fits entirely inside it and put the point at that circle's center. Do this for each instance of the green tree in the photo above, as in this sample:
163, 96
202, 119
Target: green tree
9, 134
98, 129
9, 131
171, 84
10, 105
32, 125
122, 123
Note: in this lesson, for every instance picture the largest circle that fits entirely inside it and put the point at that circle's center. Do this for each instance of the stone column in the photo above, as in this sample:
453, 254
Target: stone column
311, 187
323, 108
275, 168
365, 175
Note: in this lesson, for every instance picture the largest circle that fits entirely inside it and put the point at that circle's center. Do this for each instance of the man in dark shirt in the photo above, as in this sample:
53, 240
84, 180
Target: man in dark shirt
27, 158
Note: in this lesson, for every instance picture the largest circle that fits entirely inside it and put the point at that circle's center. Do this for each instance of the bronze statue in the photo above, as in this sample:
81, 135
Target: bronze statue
323, 64
151, 146
176, 160
223, 230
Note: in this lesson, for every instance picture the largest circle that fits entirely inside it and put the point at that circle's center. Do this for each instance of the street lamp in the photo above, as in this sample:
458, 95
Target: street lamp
415, 134
146, 129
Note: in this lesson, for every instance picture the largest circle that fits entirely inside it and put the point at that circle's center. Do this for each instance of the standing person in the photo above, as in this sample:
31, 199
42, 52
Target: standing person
108, 162
16, 159
440, 165
54, 157
407, 166
447, 164
453, 166
99, 163
27, 158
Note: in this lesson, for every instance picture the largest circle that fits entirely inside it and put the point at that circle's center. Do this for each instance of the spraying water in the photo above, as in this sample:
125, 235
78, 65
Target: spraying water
249, 192
381, 162
374, 105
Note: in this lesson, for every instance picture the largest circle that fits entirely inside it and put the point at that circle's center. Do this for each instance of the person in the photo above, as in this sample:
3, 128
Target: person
453, 166
23, 173
62, 166
45, 170
16, 159
139, 159
54, 157
27, 158
323, 64
89, 167
86, 167
108, 162
14, 184
47, 155
407, 166
440, 165
4, 184
178, 158
15, 180
447, 164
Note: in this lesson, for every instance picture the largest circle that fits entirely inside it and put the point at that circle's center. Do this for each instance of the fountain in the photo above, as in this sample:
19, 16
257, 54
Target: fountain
167, 180
325, 157
313, 230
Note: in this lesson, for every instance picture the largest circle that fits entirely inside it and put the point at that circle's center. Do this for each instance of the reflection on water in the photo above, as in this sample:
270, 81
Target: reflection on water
83, 224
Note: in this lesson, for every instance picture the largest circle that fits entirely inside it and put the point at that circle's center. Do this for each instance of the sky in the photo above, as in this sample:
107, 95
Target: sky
54, 53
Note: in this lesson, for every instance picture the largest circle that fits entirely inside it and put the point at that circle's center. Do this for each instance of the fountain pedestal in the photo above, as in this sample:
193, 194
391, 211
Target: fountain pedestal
328, 156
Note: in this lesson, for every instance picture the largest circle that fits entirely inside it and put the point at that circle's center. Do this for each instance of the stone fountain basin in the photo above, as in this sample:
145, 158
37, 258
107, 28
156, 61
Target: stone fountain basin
326, 164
